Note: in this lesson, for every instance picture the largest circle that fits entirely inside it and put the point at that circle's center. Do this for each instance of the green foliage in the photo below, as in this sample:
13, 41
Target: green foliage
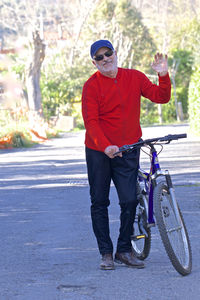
19, 69
16, 131
61, 86
194, 101
169, 111
54, 93
182, 60
19, 140
149, 112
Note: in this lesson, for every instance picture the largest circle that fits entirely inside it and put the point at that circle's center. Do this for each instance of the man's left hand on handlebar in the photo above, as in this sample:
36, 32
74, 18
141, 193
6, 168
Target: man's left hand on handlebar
110, 150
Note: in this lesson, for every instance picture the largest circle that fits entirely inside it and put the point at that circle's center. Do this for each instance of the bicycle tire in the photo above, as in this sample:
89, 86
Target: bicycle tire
141, 239
173, 233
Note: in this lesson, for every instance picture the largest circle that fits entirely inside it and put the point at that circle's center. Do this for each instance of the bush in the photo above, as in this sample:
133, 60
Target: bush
194, 102
184, 60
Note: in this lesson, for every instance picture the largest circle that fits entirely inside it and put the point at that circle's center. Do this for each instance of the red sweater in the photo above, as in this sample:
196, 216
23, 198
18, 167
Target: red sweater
111, 106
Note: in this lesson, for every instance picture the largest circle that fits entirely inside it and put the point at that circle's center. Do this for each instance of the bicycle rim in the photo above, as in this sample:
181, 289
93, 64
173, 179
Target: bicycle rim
173, 232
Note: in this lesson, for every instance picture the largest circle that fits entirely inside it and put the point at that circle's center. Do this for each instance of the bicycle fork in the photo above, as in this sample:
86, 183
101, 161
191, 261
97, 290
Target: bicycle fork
172, 198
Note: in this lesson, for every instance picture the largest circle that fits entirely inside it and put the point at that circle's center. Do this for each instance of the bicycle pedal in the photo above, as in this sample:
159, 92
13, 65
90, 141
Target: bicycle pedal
138, 237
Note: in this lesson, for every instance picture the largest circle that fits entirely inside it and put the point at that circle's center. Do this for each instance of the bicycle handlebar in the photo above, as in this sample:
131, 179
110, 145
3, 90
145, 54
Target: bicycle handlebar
168, 138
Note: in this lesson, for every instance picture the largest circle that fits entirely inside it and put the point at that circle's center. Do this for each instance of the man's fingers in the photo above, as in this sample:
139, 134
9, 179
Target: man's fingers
111, 150
118, 154
160, 56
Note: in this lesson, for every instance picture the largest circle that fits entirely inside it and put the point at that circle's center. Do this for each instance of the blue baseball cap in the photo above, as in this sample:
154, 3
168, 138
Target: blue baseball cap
99, 44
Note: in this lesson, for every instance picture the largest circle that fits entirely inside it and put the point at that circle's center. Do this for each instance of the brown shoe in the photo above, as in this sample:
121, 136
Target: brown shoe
107, 262
128, 259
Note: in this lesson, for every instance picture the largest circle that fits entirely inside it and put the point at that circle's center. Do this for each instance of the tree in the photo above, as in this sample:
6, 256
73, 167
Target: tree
194, 101
53, 16
23, 20
182, 61
120, 22
33, 73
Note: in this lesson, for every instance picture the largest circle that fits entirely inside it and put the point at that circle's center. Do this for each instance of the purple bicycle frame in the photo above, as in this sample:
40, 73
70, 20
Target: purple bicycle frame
149, 186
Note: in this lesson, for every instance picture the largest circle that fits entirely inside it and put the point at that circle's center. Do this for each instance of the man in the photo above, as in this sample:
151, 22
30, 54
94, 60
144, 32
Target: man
111, 113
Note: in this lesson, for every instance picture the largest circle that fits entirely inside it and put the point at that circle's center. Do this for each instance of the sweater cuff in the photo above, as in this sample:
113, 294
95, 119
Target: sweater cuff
164, 77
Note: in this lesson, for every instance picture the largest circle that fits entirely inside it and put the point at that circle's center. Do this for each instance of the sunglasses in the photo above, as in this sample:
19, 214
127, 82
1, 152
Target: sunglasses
101, 56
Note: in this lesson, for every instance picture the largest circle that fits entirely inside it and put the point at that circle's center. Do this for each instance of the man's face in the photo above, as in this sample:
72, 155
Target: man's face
107, 64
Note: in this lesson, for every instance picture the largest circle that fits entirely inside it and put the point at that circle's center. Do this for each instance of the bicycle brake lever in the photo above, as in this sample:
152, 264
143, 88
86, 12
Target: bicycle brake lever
122, 149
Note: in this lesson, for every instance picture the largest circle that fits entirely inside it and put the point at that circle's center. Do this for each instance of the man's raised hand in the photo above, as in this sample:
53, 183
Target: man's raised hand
160, 64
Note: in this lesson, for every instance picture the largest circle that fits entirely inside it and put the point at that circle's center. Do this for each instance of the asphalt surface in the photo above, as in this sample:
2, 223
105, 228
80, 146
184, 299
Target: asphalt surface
48, 250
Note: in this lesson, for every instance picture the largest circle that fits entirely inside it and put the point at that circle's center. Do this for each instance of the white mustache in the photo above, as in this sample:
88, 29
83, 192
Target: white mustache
107, 62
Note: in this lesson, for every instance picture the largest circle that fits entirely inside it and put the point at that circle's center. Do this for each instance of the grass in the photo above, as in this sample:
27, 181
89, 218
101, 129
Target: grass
18, 133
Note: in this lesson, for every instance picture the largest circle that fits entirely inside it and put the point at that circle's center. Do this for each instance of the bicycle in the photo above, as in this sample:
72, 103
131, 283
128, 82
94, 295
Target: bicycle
157, 205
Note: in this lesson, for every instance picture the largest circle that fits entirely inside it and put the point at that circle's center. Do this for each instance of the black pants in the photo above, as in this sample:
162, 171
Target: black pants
123, 171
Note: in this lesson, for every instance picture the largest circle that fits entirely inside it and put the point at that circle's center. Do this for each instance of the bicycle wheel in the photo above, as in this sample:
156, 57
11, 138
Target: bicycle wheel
141, 238
172, 230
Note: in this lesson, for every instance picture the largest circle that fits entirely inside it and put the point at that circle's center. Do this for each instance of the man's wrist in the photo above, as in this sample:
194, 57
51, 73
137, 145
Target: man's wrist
164, 73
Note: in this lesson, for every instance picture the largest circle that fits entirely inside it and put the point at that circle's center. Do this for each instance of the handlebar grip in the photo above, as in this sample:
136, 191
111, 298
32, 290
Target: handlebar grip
176, 136
182, 136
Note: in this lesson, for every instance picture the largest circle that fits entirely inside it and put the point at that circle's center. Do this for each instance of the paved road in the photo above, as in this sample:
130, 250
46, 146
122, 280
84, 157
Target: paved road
48, 251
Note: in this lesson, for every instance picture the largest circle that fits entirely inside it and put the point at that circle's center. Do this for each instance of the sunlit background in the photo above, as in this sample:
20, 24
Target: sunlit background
44, 60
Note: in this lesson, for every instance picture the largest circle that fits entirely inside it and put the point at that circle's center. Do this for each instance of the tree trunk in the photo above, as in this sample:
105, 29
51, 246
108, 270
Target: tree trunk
33, 73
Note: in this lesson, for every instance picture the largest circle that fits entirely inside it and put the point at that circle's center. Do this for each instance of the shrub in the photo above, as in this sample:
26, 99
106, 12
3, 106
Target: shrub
194, 102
